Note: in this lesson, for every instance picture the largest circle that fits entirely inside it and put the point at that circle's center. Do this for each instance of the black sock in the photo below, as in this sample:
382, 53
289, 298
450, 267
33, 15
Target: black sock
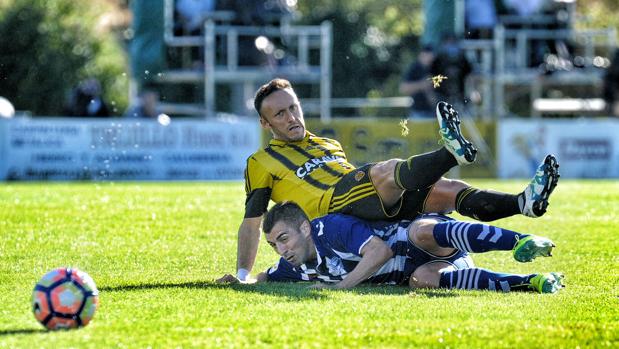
486, 205
421, 171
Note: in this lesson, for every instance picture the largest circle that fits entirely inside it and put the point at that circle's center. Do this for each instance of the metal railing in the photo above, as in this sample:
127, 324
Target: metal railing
189, 40
221, 46
301, 69
504, 61
515, 44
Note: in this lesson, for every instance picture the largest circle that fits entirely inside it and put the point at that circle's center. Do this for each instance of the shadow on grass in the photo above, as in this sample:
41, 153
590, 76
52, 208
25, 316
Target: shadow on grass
139, 287
10, 332
289, 290
400, 290
292, 291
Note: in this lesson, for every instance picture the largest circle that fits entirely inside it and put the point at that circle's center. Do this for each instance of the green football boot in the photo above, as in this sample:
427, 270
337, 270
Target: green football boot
547, 283
449, 129
531, 246
538, 191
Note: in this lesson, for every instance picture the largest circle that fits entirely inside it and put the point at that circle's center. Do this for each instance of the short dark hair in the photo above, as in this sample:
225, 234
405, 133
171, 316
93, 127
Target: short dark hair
286, 211
265, 90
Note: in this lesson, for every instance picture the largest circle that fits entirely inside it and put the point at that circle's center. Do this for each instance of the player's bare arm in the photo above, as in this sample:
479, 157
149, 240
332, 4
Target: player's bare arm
247, 248
374, 255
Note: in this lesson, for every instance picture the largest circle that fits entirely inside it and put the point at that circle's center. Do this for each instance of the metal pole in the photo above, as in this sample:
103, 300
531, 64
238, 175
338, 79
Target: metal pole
233, 49
459, 14
521, 49
325, 71
303, 51
168, 21
499, 46
209, 68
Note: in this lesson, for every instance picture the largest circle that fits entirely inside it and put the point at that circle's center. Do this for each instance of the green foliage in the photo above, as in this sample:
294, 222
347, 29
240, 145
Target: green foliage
374, 41
595, 14
154, 250
47, 47
370, 40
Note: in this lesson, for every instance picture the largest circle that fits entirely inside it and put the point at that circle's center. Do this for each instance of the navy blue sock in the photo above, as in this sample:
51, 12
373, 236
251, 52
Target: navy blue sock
474, 237
483, 279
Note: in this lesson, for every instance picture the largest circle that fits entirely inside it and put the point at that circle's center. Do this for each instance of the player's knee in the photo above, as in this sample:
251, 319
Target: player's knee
450, 187
427, 276
382, 174
383, 170
442, 198
421, 232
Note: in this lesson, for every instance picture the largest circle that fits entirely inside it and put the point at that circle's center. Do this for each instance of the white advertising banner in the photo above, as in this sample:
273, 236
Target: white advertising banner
585, 148
89, 149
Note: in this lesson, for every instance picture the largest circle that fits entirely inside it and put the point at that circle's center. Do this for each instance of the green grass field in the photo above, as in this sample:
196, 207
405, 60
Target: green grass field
154, 250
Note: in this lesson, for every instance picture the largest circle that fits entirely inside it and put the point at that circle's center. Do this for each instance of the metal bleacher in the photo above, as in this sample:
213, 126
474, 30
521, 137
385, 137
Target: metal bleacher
503, 72
503, 76
514, 69
307, 47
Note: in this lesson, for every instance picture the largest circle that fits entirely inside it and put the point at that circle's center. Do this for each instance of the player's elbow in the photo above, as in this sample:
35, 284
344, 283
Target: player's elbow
377, 250
385, 252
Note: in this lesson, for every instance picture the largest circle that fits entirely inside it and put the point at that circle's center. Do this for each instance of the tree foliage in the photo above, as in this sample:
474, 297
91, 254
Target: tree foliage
374, 41
370, 39
595, 14
47, 47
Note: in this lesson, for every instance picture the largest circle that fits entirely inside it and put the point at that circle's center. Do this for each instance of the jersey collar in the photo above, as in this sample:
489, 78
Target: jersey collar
280, 142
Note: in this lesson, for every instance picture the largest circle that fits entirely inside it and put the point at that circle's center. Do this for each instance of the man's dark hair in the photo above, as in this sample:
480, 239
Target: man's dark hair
265, 90
287, 211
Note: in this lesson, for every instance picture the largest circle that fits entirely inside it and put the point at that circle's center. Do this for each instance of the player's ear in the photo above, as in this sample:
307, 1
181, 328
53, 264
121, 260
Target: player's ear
306, 229
264, 123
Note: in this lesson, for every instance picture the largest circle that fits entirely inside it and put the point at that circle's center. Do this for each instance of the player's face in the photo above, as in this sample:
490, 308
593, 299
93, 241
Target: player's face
292, 242
281, 113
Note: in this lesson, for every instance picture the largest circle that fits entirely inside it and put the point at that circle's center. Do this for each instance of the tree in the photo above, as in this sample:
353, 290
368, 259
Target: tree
371, 42
47, 47
374, 41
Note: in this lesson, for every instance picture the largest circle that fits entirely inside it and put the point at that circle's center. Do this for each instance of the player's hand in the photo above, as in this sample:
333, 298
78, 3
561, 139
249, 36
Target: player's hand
319, 286
231, 279
228, 279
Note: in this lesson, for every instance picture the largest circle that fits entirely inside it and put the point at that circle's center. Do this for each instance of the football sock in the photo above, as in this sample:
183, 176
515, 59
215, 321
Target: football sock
474, 237
483, 279
487, 205
421, 171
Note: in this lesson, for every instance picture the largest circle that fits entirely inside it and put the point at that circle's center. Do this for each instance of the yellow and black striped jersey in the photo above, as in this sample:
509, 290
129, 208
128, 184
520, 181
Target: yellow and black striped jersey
305, 172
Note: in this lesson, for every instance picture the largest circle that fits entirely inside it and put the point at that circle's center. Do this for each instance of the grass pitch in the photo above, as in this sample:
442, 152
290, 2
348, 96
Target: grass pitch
154, 250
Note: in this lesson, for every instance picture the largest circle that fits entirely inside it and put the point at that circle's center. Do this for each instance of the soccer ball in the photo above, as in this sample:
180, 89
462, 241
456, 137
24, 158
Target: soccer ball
6, 108
65, 298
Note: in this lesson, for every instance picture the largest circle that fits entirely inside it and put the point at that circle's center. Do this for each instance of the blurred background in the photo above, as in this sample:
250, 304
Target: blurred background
529, 77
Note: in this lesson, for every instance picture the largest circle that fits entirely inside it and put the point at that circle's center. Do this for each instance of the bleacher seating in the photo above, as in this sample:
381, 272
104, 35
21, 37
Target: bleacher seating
503, 67
221, 60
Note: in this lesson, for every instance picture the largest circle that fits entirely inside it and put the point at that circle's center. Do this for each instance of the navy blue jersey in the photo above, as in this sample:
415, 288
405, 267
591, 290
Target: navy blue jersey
283, 271
339, 240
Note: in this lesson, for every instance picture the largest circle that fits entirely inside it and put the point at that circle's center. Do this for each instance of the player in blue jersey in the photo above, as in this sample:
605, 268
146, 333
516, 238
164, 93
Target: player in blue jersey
430, 252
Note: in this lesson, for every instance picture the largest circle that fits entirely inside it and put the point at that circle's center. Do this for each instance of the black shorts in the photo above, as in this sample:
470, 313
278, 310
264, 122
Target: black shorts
417, 257
356, 195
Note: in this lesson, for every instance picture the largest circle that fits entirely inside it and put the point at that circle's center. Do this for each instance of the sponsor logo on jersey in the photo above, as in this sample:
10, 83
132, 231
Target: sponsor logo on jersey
335, 266
359, 175
273, 268
309, 166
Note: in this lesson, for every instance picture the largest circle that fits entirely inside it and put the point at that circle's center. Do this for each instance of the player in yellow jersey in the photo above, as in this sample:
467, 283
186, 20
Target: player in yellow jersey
314, 172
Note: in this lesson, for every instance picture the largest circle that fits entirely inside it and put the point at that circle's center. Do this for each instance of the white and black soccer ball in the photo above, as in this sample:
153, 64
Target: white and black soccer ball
65, 298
